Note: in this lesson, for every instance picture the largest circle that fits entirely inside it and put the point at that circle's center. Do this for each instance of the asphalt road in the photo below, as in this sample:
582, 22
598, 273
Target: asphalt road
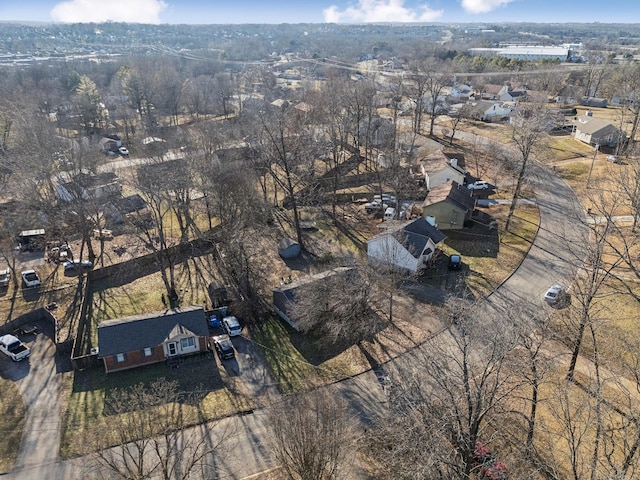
556, 250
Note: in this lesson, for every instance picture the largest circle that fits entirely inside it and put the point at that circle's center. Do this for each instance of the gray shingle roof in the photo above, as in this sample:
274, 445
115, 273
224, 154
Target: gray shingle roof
415, 235
149, 330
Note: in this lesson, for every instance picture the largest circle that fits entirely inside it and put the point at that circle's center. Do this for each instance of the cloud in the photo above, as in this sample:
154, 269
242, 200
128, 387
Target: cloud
82, 11
380, 11
483, 6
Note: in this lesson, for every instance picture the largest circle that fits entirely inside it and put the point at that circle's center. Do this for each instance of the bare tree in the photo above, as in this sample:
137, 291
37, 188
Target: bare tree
312, 435
149, 434
338, 308
527, 136
450, 390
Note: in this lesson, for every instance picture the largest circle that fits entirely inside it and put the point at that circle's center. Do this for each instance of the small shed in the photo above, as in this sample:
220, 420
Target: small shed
288, 248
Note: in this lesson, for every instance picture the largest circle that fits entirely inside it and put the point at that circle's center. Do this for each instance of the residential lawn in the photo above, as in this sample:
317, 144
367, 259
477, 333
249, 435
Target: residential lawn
296, 363
565, 147
88, 389
12, 416
491, 254
143, 295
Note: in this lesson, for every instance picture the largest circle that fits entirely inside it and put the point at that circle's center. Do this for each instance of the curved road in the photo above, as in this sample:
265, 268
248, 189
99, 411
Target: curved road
556, 249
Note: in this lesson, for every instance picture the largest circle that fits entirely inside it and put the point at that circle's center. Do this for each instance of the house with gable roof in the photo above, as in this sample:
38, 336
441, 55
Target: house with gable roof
439, 168
596, 131
451, 204
408, 246
139, 340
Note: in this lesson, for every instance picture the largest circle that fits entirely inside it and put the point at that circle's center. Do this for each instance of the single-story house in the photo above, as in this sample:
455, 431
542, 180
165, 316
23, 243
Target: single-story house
138, 340
569, 95
489, 92
438, 168
451, 205
593, 102
408, 246
508, 94
133, 206
110, 143
85, 185
596, 131
489, 111
284, 297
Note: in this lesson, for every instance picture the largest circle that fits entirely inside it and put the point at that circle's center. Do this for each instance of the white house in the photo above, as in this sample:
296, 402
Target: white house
438, 169
408, 246
596, 131
490, 111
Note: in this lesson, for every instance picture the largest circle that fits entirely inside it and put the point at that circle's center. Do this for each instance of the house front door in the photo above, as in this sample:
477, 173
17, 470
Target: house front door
172, 349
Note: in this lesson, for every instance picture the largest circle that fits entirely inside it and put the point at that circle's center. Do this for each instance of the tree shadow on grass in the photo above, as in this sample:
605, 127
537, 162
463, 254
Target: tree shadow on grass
198, 373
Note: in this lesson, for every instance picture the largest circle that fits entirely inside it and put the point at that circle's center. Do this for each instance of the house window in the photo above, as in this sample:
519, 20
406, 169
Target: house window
187, 343
120, 357
148, 352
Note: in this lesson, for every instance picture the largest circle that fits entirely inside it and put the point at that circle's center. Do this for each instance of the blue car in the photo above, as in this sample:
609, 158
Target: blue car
214, 321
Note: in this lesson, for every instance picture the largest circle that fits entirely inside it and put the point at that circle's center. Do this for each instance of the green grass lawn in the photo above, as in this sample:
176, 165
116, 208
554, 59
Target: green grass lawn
89, 388
12, 415
296, 363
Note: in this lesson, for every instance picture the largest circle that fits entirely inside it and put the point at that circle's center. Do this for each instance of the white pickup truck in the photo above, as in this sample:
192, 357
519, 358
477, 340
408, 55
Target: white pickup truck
14, 348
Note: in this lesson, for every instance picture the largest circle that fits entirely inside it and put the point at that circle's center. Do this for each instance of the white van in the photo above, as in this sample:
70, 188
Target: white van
389, 214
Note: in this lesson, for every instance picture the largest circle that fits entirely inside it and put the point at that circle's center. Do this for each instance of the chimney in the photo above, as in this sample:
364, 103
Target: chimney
453, 162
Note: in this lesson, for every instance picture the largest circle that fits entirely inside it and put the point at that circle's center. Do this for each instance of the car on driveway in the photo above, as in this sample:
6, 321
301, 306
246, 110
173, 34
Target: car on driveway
375, 206
613, 159
479, 185
224, 347
13, 348
5, 275
232, 326
123, 151
455, 262
31, 278
554, 294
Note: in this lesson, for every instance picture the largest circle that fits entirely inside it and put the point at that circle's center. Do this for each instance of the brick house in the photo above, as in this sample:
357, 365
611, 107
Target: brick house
138, 340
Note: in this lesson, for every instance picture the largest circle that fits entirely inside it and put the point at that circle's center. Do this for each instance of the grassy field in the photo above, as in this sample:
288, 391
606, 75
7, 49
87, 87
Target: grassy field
12, 417
88, 389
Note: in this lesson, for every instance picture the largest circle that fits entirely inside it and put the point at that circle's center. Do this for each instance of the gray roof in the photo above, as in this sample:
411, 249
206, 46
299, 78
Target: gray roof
590, 125
415, 235
149, 330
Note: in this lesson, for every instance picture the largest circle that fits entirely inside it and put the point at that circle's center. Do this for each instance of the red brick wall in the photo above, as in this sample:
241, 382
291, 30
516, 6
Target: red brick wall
134, 359
137, 358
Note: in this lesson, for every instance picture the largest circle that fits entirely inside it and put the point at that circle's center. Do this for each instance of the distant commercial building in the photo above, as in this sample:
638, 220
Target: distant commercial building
530, 53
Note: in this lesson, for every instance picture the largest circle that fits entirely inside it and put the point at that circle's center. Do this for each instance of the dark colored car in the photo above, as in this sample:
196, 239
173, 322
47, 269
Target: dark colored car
455, 262
224, 347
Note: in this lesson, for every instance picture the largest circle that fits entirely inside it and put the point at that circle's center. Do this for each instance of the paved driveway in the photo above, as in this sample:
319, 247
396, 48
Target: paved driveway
41, 386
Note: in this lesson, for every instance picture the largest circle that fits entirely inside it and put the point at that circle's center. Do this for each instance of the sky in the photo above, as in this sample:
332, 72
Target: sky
318, 11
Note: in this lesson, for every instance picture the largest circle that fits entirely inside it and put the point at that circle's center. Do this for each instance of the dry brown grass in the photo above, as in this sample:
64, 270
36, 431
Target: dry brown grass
12, 418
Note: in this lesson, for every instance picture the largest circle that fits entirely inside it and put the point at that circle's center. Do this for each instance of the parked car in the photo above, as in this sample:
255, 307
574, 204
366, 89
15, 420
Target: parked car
13, 348
31, 278
232, 326
385, 198
5, 275
78, 265
389, 214
554, 294
613, 159
479, 185
375, 206
455, 262
123, 151
224, 347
